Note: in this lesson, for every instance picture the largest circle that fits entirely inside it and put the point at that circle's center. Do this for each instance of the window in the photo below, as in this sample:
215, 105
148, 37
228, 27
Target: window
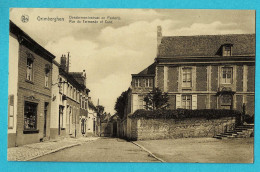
29, 69
68, 90
227, 73
71, 91
46, 79
81, 104
227, 50
186, 77
60, 85
30, 116
148, 82
186, 101
86, 104
137, 83
226, 101
11, 112
141, 102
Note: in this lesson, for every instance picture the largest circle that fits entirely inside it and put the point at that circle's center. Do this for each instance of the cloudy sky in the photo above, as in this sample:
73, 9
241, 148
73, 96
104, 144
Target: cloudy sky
111, 52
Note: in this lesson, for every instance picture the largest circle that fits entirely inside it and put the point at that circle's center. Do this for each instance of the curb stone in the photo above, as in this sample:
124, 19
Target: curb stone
150, 153
55, 150
46, 152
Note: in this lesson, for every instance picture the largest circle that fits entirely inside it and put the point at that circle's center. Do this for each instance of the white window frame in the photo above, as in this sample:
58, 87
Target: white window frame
187, 83
137, 82
227, 50
184, 104
224, 80
148, 82
29, 69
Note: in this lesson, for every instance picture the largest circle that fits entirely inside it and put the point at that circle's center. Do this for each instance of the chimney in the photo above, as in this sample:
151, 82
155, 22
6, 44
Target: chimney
159, 37
63, 62
68, 65
84, 76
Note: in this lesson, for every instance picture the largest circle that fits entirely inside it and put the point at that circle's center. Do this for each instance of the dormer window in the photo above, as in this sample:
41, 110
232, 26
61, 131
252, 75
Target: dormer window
227, 50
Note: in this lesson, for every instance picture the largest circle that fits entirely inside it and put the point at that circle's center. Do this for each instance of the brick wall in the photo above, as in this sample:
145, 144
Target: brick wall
201, 80
239, 102
251, 79
40, 100
172, 101
214, 78
39, 63
32, 92
213, 102
173, 79
250, 108
239, 78
160, 79
149, 129
202, 102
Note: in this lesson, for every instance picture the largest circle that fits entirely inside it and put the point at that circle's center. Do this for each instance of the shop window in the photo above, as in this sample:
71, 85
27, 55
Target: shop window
30, 116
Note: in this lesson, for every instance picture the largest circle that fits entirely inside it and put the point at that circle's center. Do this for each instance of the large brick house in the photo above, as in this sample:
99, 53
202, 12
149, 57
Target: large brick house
29, 90
200, 72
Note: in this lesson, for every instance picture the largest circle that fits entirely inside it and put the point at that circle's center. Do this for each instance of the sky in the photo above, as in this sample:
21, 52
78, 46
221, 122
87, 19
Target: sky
111, 52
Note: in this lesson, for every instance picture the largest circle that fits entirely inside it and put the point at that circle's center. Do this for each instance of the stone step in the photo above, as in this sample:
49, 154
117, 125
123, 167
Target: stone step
239, 132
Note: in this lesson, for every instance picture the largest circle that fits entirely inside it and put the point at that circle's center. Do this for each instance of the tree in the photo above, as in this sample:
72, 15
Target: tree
155, 99
121, 104
100, 109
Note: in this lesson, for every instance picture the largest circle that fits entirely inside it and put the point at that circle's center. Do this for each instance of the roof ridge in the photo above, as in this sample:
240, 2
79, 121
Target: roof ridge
209, 35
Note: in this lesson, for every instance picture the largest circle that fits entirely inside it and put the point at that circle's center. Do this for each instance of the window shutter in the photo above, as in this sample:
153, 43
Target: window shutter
178, 101
194, 101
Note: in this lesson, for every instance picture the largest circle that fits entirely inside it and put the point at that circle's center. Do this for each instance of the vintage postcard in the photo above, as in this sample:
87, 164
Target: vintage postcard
131, 85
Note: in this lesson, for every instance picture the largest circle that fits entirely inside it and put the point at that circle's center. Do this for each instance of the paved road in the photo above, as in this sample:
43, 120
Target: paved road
101, 150
203, 150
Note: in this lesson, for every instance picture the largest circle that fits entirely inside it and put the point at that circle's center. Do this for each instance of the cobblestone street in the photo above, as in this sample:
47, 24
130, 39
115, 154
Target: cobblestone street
31, 151
101, 150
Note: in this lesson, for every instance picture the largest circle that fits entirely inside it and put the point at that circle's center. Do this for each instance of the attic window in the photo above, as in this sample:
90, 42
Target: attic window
227, 50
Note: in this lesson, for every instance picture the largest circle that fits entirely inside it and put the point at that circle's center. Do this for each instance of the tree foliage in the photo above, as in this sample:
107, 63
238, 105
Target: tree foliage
155, 99
121, 104
100, 110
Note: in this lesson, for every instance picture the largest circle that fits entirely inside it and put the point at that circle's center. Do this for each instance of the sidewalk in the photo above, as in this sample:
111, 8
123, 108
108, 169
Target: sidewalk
203, 150
35, 150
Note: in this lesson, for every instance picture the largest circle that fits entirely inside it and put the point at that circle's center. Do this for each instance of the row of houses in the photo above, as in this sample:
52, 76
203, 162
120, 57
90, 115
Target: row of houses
198, 72
45, 99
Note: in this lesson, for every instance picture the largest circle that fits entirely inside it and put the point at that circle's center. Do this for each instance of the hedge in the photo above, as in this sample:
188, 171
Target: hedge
185, 113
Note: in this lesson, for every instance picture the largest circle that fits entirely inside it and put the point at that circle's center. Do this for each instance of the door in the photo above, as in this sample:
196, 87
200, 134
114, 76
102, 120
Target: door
60, 119
45, 119
83, 126
226, 101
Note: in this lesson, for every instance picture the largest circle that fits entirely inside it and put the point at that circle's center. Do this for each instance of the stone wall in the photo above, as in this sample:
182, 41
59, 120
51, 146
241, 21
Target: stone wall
151, 129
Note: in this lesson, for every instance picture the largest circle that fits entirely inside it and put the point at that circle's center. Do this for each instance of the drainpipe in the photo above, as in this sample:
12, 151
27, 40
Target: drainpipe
75, 125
